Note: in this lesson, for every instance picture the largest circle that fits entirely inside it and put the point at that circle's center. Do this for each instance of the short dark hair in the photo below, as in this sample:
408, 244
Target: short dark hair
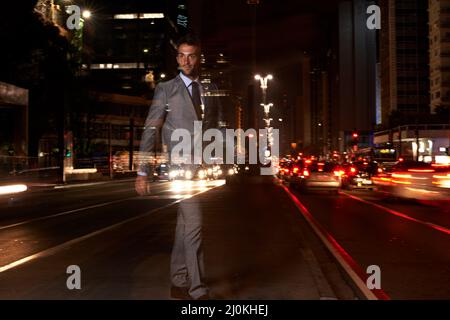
189, 39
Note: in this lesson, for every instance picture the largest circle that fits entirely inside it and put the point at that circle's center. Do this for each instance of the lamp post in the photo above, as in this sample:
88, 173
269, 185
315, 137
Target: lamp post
267, 120
266, 109
263, 81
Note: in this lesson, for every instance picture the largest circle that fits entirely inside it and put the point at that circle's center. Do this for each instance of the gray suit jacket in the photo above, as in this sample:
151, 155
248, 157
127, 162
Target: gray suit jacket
172, 108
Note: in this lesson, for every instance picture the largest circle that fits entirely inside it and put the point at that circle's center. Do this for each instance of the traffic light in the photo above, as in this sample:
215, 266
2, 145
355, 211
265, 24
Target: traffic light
68, 153
354, 141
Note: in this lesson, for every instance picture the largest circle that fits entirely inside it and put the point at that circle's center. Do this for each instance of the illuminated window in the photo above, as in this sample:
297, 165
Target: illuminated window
139, 16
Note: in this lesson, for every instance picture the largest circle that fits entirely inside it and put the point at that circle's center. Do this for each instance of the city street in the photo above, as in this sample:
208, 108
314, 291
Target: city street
256, 246
50, 222
409, 241
225, 150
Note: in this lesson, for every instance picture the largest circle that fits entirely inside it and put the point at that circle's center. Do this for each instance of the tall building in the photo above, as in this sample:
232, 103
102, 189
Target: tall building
302, 113
128, 45
404, 61
354, 85
415, 75
312, 116
216, 69
439, 15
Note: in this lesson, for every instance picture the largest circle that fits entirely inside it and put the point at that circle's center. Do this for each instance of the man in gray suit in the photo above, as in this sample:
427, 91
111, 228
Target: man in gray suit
177, 103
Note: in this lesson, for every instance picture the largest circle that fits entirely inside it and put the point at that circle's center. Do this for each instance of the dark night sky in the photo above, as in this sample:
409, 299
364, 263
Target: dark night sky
284, 30
283, 27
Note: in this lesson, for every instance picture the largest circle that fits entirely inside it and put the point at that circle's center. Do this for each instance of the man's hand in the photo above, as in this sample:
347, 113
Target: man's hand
141, 185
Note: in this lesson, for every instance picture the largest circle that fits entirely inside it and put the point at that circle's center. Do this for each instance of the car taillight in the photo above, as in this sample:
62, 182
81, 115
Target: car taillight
338, 173
421, 170
306, 173
440, 165
296, 169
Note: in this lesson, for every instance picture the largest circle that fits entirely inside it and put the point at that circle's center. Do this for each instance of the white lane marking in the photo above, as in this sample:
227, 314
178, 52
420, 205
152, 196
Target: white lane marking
63, 213
53, 250
67, 212
401, 215
326, 239
88, 184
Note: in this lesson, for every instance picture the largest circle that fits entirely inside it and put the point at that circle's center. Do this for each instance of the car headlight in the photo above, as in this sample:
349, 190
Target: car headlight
230, 172
210, 172
10, 189
173, 173
201, 174
188, 174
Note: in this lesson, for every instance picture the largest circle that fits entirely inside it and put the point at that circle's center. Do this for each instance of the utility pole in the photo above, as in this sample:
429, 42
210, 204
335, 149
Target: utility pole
110, 150
131, 146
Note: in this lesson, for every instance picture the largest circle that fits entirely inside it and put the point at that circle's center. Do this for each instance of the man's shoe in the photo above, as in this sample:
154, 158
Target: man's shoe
181, 293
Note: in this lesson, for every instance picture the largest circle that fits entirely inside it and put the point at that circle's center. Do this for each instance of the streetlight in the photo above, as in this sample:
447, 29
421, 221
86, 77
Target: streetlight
263, 84
263, 81
267, 108
86, 14
268, 121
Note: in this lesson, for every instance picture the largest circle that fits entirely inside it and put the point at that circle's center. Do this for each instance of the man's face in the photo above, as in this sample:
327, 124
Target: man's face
188, 58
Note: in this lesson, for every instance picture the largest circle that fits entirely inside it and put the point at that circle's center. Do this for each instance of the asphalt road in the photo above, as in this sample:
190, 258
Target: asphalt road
258, 245
409, 241
45, 222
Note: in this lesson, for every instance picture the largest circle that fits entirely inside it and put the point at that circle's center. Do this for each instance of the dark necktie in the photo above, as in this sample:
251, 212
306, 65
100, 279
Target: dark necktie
196, 99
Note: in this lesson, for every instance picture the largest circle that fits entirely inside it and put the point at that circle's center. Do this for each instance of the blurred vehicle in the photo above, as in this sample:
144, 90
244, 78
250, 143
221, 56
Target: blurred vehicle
214, 172
248, 169
228, 170
294, 171
200, 172
283, 170
311, 175
358, 174
415, 180
176, 172
162, 172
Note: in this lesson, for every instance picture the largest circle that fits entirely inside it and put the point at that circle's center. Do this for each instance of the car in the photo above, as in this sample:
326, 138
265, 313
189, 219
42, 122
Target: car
199, 172
293, 171
414, 180
283, 170
161, 172
358, 174
311, 175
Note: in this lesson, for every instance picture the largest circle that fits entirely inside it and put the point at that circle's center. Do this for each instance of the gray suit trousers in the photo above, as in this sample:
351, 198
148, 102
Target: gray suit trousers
187, 266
